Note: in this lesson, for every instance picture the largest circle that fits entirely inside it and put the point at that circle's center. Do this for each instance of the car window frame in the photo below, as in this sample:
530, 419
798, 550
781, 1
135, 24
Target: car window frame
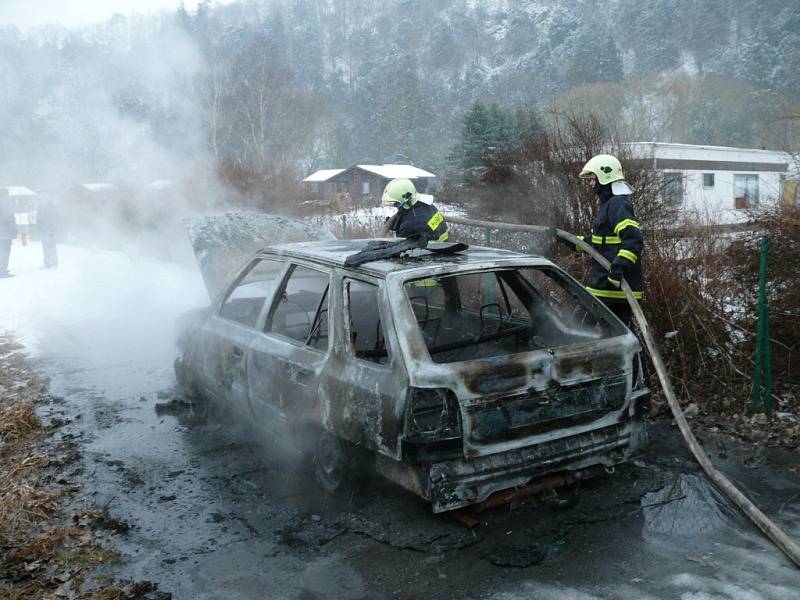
382, 311
268, 300
399, 282
266, 323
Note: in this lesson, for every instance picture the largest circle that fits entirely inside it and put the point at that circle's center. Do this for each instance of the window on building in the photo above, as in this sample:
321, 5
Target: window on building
708, 180
365, 187
745, 191
673, 188
244, 302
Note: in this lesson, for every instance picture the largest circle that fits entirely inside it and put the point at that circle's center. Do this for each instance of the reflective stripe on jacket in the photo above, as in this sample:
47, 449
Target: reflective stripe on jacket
419, 220
616, 235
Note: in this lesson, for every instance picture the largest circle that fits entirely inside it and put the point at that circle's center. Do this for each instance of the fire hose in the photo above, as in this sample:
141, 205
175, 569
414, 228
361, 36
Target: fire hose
767, 526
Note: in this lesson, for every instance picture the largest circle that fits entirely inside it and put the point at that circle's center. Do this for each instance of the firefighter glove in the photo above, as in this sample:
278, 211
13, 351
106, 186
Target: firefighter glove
615, 276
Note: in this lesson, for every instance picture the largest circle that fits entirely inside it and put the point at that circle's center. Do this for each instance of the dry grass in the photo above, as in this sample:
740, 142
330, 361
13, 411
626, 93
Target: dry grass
43, 554
18, 420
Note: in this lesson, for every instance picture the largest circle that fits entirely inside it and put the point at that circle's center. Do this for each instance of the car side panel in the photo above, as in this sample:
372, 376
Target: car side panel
362, 401
224, 353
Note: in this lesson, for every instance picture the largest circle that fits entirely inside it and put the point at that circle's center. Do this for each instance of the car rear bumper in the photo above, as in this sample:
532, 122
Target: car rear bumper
453, 484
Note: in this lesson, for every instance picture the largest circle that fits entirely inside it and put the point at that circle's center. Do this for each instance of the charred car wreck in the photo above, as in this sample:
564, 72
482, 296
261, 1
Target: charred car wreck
455, 376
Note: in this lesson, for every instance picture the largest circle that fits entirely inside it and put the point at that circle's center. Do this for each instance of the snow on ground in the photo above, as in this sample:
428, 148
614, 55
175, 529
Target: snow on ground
99, 307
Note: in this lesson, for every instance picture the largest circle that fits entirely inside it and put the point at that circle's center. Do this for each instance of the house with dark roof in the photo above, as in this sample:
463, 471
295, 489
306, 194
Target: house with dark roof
363, 184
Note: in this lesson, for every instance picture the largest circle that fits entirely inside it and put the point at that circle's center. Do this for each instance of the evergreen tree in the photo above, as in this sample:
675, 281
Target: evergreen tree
500, 134
471, 148
489, 132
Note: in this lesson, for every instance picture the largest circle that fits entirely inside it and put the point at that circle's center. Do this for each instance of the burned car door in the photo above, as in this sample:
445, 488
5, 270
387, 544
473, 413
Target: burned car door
287, 357
227, 334
366, 373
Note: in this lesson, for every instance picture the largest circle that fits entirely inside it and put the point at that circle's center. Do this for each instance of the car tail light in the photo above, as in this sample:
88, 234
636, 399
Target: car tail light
432, 413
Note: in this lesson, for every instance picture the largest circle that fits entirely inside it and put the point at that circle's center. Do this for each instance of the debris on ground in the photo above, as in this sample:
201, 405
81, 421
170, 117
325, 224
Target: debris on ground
721, 416
176, 405
517, 555
45, 552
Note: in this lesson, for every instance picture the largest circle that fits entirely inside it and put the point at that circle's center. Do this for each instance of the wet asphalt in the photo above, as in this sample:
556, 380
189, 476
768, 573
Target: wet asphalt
216, 511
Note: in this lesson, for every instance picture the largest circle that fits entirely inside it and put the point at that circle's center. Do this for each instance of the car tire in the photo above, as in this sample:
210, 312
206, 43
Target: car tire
182, 375
338, 464
187, 379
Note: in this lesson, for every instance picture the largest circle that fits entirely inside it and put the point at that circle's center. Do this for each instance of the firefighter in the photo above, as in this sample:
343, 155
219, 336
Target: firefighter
8, 231
416, 218
615, 234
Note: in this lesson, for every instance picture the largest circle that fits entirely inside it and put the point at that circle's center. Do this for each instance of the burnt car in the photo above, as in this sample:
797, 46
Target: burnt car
455, 376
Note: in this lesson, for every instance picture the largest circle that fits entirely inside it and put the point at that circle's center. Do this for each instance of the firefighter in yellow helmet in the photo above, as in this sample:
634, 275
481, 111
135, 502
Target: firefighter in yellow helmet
615, 234
416, 218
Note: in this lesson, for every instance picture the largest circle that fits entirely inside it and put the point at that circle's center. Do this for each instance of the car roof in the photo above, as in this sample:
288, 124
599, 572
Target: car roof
334, 253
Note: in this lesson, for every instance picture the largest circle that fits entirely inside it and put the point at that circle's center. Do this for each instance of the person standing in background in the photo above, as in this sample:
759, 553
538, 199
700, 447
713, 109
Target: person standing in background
8, 230
47, 225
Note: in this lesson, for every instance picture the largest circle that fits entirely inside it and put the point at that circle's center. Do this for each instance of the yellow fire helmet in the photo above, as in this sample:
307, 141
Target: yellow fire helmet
605, 167
399, 191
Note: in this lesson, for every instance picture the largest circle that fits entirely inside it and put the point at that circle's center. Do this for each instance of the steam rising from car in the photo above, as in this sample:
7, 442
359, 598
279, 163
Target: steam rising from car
126, 267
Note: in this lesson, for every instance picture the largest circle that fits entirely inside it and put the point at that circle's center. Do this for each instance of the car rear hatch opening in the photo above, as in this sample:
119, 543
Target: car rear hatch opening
530, 356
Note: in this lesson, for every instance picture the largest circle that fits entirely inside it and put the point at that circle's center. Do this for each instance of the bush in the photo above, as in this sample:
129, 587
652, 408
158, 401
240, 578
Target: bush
704, 287
701, 286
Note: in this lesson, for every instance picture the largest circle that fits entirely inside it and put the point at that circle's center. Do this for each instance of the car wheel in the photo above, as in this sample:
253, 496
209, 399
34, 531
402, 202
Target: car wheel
182, 375
187, 379
336, 465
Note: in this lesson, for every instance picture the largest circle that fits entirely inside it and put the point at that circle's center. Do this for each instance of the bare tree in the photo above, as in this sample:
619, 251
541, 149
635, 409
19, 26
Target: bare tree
212, 89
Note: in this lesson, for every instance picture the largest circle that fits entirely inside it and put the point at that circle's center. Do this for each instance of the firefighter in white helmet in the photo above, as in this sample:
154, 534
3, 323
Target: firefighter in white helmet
615, 234
416, 217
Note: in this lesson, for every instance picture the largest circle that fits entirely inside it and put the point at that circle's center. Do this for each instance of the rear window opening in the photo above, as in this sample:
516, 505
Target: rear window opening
469, 316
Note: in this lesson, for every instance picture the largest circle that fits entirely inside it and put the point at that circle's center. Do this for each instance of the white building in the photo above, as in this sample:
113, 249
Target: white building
24, 200
716, 184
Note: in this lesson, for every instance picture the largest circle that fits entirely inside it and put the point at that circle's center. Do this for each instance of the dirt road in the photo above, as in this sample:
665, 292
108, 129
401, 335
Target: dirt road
215, 513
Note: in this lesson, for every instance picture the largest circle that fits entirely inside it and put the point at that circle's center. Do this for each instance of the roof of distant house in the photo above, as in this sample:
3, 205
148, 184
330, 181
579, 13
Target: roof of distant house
99, 186
711, 153
397, 171
160, 184
322, 175
19, 190
385, 171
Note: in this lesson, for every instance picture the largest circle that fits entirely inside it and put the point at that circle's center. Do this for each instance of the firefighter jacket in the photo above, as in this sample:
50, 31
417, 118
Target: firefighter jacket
616, 235
420, 220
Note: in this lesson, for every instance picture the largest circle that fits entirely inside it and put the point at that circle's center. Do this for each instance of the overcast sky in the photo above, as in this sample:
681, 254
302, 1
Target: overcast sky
26, 13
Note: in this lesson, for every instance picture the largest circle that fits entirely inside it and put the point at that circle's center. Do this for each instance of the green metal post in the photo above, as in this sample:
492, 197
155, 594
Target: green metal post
344, 226
762, 376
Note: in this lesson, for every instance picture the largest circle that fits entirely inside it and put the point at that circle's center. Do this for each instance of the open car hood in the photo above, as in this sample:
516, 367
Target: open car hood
222, 243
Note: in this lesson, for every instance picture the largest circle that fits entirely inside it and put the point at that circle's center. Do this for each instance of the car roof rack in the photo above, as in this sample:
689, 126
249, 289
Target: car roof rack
382, 249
